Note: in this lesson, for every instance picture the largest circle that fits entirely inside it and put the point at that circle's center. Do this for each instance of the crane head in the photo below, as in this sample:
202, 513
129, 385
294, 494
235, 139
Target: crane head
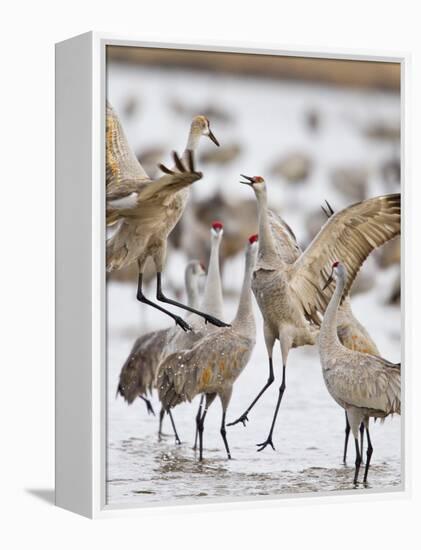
217, 227
337, 268
256, 182
202, 123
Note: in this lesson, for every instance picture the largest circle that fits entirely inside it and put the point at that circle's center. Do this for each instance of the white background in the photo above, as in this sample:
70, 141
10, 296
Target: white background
28, 33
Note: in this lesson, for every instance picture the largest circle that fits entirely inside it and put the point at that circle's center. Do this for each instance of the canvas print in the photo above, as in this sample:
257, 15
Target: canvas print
253, 216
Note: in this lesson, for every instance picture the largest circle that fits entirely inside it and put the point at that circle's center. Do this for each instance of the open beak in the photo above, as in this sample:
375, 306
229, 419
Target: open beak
248, 178
213, 138
330, 279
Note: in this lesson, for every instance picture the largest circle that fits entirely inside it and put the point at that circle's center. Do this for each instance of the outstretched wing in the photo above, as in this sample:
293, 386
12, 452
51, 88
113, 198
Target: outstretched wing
348, 236
173, 179
124, 173
286, 242
158, 190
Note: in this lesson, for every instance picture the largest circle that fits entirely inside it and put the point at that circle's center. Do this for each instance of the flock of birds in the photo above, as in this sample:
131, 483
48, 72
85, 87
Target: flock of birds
204, 355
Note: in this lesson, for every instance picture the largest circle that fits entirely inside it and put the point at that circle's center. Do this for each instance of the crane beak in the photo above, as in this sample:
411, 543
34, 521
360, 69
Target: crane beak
328, 210
212, 137
248, 178
330, 279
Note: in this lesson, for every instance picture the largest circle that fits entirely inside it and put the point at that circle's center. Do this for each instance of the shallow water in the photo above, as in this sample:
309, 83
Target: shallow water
310, 430
308, 437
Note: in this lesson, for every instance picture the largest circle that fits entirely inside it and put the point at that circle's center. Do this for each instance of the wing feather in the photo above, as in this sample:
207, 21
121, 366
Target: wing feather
373, 384
348, 236
286, 242
124, 173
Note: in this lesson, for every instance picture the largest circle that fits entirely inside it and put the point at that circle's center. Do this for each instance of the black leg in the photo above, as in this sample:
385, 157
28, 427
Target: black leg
162, 298
362, 440
142, 298
243, 418
149, 407
198, 415
369, 453
347, 430
357, 461
161, 418
177, 439
281, 393
200, 428
224, 435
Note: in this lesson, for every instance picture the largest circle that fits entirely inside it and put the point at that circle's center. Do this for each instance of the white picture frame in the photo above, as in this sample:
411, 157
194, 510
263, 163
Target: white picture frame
80, 269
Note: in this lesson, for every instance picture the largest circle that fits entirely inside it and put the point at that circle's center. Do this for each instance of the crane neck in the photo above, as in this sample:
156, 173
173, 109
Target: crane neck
192, 289
192, 141
329, 330
267, 245
244, 319
213, 301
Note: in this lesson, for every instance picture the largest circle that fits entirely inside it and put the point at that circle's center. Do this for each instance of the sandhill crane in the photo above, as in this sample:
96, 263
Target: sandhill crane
212, 303
213, 364
288, 290
362, 384
138, 374
147, 210
354, 336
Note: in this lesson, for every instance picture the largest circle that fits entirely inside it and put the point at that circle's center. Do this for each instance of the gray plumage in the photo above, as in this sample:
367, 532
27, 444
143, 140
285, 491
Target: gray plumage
212, 301
362, 384
355, 379
287, 284
138, 374
213, 364
146, 209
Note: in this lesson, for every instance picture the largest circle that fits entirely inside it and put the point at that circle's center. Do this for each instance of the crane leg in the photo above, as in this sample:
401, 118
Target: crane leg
142, 298
201, 422
149, 407
161, 418
177, 439
162, 298
280, 395
224, 435
198, 415
200, 428
244, 418
362, 440
357, 461
369, 453
347, 430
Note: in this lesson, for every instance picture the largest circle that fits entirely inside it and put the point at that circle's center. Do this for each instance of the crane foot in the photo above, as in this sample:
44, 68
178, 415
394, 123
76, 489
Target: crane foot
243, 418
214, 321
149, 408
265, 444
182, 323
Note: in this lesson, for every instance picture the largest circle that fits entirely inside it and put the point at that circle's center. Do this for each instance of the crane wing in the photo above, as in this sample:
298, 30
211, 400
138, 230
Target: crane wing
124, 173
286, 242
137, 376
173, 179
212, 361
373, 383
348, 236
